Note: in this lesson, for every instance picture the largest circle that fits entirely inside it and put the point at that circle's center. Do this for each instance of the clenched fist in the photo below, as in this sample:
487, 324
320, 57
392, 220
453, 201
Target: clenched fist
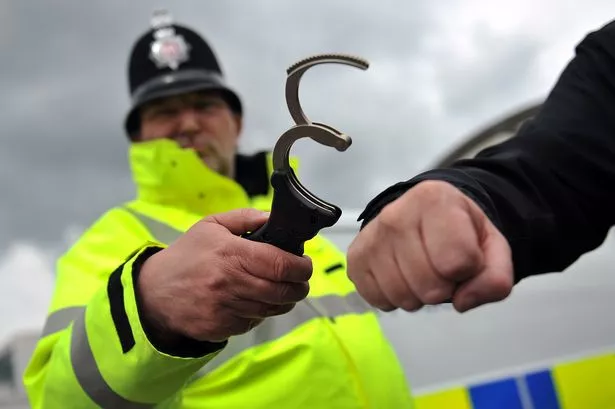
431, 245
212, 284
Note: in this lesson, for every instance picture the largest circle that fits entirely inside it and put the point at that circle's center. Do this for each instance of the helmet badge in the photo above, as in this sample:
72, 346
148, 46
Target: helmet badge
169, 49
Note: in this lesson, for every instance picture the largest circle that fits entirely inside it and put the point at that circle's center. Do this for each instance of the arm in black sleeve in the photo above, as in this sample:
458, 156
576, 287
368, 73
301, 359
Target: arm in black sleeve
551, 188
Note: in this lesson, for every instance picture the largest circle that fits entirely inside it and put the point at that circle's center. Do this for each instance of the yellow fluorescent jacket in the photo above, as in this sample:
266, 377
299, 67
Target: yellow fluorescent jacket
328, 352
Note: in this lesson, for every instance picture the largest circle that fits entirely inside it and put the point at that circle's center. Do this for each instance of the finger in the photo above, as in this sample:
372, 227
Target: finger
495, 281
228, 324
270, 263
282, 293
451, 243
239, 221
370, 290
260, 290
391, 280
366, 284
281, 309
235, 325
257, 310
397, 246
412, 260
359, 272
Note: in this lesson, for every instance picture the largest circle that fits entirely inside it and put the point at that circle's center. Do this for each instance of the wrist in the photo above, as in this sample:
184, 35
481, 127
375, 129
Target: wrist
154, 317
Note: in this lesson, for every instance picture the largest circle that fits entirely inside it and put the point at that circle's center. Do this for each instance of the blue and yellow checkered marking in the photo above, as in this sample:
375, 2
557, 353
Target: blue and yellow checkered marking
500, 394
542, 390
582, 384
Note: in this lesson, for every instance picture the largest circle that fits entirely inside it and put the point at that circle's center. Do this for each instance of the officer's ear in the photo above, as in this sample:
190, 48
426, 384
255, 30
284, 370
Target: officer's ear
238, 123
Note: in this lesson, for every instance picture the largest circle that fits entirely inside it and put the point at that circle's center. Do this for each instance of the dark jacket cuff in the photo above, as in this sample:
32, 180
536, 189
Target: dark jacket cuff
456, 177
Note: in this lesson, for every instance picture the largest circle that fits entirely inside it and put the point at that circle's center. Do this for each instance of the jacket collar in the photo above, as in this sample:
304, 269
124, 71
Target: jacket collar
166, 174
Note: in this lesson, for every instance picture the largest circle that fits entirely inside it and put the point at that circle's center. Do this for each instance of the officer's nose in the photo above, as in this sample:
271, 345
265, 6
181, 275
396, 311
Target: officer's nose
188, 127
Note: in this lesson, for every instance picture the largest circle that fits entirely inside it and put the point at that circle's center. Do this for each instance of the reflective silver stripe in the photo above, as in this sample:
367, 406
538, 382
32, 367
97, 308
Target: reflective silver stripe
61, 319
87, 373
336, 305
524, 393
160, 231
275, 327
329, 306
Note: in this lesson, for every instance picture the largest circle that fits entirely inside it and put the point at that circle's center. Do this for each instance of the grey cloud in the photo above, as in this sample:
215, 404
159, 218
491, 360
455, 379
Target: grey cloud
63, 157
501, 73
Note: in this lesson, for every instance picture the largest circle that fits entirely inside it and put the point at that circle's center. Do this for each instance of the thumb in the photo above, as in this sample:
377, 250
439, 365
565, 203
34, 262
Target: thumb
495, 281
239, 221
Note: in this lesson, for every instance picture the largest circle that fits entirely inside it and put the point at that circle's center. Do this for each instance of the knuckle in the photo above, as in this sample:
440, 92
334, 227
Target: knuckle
208, 222
279, 294
285, 293
262, 310
280, 267
303, 289
458, 216
460, 262
283, 309
411, 305
280, 309
389, 218
218, 281
437, 295
208, 219
435, 191
307, 268
384, 306
246, 212
397, 295
429, 193
383, 301
251, 324
426, 189
500, 286
405, 300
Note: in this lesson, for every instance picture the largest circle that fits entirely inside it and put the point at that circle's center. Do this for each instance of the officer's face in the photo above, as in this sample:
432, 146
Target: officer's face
202, 121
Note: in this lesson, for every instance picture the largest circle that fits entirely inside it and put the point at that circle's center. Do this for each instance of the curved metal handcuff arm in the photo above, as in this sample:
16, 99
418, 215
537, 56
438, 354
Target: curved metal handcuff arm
321, 133
297, 215
295, 73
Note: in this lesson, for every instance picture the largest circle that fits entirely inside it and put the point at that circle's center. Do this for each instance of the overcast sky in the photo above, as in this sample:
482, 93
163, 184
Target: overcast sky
439, 71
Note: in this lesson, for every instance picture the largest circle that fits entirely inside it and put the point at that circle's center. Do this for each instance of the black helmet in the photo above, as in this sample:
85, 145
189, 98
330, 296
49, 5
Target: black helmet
170, 59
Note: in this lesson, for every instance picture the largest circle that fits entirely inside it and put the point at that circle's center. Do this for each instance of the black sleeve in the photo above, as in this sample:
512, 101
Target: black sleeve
551, 188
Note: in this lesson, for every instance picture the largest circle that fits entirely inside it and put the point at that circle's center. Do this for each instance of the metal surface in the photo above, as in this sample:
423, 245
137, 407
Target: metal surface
296, 71
304, 128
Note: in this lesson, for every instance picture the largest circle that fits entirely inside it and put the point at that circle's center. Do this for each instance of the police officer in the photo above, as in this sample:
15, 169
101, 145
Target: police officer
531, 205
160, 303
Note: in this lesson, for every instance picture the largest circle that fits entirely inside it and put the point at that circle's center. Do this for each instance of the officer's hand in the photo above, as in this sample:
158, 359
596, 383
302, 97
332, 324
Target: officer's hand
431, 245
211, 284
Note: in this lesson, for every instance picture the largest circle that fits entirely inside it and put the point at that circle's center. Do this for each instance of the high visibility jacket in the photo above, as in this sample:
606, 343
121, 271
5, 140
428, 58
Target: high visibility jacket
328, 352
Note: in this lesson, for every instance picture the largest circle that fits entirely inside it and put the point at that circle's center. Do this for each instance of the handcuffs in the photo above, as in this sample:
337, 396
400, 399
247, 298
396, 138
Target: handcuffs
297, 215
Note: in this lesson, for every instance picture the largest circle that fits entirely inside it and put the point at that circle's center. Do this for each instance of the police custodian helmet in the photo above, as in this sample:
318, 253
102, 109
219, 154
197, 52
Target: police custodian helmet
170, 59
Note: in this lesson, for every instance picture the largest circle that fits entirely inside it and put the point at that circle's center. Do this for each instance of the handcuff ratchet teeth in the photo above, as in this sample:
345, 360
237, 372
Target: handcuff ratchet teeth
297, 215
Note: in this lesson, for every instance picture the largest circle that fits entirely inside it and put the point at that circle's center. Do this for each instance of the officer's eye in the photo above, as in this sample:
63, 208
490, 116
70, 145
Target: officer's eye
163, 111
207, 104
203, 105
